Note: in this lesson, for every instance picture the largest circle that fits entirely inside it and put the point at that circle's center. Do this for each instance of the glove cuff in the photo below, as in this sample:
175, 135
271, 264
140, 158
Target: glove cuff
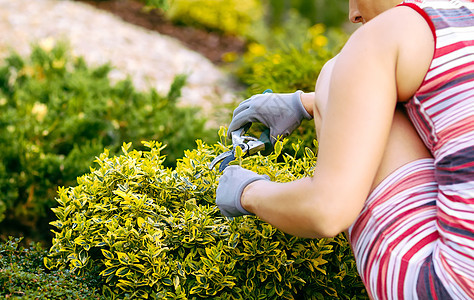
240, 191
297, 99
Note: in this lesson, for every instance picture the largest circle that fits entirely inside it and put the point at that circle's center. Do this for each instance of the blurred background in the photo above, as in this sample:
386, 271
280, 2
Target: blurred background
80, 76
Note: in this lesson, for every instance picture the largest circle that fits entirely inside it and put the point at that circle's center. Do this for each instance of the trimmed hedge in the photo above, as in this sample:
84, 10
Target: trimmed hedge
155, 232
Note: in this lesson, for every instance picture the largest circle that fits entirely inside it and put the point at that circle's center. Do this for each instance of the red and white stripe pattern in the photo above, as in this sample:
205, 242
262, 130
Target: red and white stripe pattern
427, 250
395, 232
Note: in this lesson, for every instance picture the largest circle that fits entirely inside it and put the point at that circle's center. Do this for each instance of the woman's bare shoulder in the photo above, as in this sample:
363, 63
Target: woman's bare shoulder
406, 35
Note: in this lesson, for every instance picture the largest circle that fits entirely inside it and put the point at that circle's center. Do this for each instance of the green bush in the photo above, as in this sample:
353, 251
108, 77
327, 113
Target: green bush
23, 276
226, 16
241, 17
155, 232
288, 64
57, 114
162, 4
332, 13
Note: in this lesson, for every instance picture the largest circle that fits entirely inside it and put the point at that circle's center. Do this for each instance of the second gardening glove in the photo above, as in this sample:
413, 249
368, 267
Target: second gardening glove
231, 186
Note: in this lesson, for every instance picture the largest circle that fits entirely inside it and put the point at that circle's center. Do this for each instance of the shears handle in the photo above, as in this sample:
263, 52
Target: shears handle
265, 139
265, 136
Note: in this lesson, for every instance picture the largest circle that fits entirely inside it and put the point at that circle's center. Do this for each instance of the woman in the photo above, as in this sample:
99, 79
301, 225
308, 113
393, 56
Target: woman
410, 217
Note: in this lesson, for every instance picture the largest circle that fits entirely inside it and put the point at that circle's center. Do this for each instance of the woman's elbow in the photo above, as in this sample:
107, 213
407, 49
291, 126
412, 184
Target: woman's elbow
328, 229
330, 221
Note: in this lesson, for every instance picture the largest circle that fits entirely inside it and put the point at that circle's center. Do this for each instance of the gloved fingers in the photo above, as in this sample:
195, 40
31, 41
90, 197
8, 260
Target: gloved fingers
282, 113
234, 171
229, 191
255, 100
231, 185
241, 107
243, 118
237, 120
236, 124
237, 172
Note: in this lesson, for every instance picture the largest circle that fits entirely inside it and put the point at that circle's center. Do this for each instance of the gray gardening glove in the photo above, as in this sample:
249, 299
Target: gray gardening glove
229, 191
282, 113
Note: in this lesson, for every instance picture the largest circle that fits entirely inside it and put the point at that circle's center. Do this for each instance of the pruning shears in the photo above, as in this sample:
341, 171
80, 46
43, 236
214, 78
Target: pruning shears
248, 144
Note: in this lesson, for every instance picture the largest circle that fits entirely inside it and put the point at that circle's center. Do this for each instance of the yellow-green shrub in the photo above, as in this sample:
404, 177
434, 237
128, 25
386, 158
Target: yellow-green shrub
155, 232
287, 67
226, 16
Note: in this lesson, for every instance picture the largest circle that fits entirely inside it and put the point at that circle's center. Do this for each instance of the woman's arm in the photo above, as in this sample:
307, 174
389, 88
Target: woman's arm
363, 93
307, 100
315, 103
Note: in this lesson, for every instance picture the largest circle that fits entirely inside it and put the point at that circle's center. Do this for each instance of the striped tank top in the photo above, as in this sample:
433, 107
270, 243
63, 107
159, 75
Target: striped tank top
442, 111
414, 238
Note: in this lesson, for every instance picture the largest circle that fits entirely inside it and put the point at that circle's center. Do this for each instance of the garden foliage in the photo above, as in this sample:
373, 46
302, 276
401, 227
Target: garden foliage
161, 4
23, 276
154, 232
328, 12
240, 17
287, 64
57, 114
225, 16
